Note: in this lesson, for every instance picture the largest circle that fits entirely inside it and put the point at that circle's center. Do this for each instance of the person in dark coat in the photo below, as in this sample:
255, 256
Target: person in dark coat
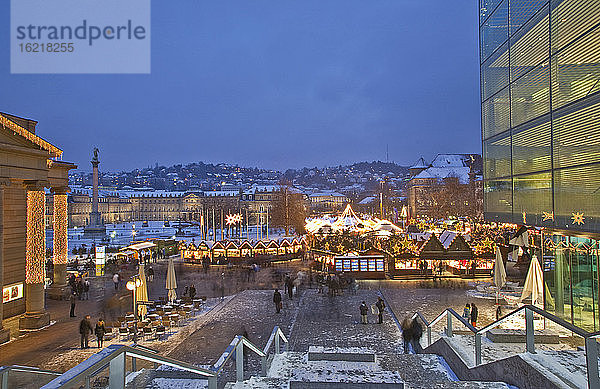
406, 334
364, 310
73, 300
100, 330
474, 313
289, 285
85, 329
416, 332
150, 274
277, 300
380, 308
192, 292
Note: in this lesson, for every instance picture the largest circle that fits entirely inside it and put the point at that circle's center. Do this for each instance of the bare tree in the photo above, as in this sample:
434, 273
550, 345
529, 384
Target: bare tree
288, 209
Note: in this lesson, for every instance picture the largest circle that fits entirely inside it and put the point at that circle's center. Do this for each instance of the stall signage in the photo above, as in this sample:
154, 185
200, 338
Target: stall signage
12, 292
100, 255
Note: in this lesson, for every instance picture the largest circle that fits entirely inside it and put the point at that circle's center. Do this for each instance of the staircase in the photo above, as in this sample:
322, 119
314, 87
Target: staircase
339, 368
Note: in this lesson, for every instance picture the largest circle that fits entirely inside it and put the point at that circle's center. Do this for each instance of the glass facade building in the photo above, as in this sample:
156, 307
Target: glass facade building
540, 115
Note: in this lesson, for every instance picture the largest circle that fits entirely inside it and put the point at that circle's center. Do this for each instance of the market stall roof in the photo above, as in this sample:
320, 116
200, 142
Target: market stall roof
140, 246
126, 252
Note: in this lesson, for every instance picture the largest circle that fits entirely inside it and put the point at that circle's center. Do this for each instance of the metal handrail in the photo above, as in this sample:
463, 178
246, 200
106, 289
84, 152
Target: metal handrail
114, 357
591, 346
5, 371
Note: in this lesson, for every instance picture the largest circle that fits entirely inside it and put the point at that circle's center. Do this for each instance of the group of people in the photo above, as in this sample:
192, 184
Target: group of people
85, 330
470, 313
190, 291
336, 284
80, 287
364, 311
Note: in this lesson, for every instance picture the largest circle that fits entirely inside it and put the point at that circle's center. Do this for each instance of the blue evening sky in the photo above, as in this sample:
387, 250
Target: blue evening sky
274, 84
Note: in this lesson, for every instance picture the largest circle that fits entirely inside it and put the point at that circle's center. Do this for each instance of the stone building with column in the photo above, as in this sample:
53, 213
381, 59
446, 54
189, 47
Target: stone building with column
28, 166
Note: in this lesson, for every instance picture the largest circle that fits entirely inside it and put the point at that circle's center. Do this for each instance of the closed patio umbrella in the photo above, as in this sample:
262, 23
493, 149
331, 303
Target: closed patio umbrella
171, 283
499, 272
534, 284
141, 293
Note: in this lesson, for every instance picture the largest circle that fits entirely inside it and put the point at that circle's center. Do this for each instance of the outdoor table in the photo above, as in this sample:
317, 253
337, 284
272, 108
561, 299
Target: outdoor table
174, 317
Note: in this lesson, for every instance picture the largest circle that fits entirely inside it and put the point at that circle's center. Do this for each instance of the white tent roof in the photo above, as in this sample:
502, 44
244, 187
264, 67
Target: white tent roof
141, 246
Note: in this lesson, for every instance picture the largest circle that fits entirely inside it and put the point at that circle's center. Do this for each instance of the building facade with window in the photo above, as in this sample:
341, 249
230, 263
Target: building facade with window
540, 108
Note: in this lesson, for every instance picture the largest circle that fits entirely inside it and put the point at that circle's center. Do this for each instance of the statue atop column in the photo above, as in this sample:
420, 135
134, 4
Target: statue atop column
95, 227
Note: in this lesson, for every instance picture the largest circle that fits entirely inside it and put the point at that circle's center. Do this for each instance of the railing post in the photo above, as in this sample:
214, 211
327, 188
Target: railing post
116, 373
239, 361
477, 349
263, 365
428, 336
212, 382
448, 324
4, 381
591, 359
529, 331
133, 364
277, 346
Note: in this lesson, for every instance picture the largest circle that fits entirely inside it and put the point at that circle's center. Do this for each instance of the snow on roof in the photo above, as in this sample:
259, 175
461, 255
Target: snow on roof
450, 160
462, 173
367, 200
420, 164
326, 194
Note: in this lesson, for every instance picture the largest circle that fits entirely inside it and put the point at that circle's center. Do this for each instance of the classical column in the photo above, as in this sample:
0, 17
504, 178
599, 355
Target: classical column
35, 258
4, 332
59, 289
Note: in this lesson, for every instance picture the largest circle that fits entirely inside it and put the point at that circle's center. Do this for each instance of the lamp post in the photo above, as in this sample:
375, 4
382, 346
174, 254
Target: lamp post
132, 285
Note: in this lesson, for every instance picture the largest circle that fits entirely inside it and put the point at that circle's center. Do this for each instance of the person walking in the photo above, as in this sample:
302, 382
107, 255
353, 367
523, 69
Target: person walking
498, 312
416, 333
364, 310
406, 334
86, 289
474, 313
192, 292
100, 330
73, 300
467, 312
116, 280
150, 274
289, 285
277, 300
85, 328
380, 308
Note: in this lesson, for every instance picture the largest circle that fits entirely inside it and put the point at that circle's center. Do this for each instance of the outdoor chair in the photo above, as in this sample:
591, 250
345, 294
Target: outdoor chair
147, 332
160, 331
123, 333
167, 324
121, 319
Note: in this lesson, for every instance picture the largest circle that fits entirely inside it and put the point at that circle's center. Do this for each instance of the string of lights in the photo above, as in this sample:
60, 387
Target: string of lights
60, 229
35, 269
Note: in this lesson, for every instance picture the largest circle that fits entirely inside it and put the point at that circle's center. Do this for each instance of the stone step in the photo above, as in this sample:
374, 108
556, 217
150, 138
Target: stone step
417, 367
344, 385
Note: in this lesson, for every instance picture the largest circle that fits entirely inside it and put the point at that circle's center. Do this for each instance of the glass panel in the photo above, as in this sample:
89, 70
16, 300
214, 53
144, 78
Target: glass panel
522, 10
494, 31
576, 137
576, 70
498, 197
530, 46
584, 283
571, 18
532, 150
530, 95
496, 157
486, 7
576, 195
495, 113
557, 277
494, 72
532, 197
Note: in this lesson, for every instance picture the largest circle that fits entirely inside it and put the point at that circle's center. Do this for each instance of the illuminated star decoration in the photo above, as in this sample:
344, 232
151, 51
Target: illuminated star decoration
524, 217
340, 248
406, 242
548, 216
233, 219
487, 243
578, 218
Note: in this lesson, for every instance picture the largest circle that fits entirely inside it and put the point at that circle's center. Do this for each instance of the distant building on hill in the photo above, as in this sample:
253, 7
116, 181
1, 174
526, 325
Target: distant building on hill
449, 186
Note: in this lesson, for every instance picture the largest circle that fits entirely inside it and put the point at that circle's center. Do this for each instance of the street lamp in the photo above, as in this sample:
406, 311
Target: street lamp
133, 285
